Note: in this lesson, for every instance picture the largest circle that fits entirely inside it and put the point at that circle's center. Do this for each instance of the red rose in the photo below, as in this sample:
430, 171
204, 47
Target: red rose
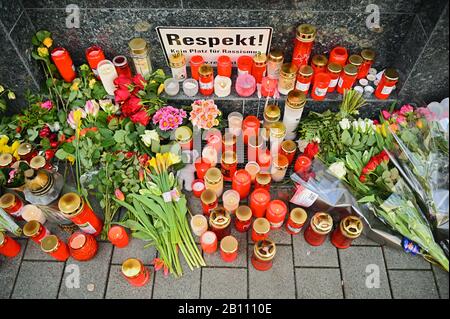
311, 150
143, 159
140, 117
139, 81
121, 95
123, 82
131, 106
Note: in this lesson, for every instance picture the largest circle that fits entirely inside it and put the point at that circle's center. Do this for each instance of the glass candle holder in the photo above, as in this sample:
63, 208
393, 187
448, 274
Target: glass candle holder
319, 64
253, 169
259, 199
229, 249
245, 85
304, 42
259, 66
235, 123
8, 246
82, 247
198, 186
288, 148
135, 272
35, 231
264, 160
241, 183
199, 225
222, 86
304, 78
320, 86
209, 200
263, 254
140, 53
63, 62
209, 153
318, 229
302, 165
224, 66
244, 64
338, 55
231, 200
94, 54
272, 114
296, 220
177, 63
195, 63
118, 236
279, 168
208, 242
387, 84
190, 87
286, 82
201, 167
55, 247
184, 137
268, 86
254, 148
250, 127
274, 63
32, 212
122, 66
171, 87
368, 58
107, 73
347, 78
214, 180
260, 229
228, 165
276, 213
349, 229
206, 80
213, 139
220, 221
243, 219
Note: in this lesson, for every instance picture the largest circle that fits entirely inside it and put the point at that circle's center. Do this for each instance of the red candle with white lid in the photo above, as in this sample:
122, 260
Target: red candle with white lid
276, 213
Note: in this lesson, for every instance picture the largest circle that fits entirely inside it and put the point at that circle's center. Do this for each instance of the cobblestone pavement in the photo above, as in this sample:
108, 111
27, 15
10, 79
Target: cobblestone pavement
299, 271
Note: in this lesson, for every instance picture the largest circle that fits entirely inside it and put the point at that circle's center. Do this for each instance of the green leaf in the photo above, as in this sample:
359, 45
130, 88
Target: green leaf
69, 148
61, 154
119, 136
107, 143
367, 199
346, 139
42, 35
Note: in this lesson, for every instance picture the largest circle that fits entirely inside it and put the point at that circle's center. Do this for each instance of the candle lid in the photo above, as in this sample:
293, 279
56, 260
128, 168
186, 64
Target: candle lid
31, 228
7, 200
229, 157
2, 238
265, 249
260, 59
276, 55
368, 54
131, 267
306, 70
219, 218
243, 213
183, 134
77, 240
306, 32
261, 225
296, 99
272, 112
24, 149
229, 139
208, 196
355, 59
205, 70
351, 226
391, 74
281, 161
213, 175
288, 70
138, 46
119, 60
298, 215
289, 146
263, 178
177, 60
5, 159
322, 223
350, 69
37, 162
38, 181
208, 237
334, 67
319, 60
70, 203
229, 244
50, 243
277, 129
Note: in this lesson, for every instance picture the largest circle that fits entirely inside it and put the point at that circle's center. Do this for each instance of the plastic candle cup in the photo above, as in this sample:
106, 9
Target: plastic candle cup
259, 199
122, 66
302, 165
35, 231
254, 147
264, 160
208, 242
253, 169
241, 183
199, 225
94, 55
224, 66
195, 62
288, 148
235, 123
184, 137
107, 73
214, 139
135, 272
338, 55
32, 212
209, 153
229, 249
263, 254
334, 70
8, 246
228, 165
268, 86
222, 86
171, 87
63, 62
243, 219
244, 64
118, 236
260, 229
387, 84
320, 86
82, 246
304, 41
259, 66
190, 87
349, 228
229, 142
55, 247
220, 221
214, 180
279, 167
201, 166
318, 229
231, 200
347, 78
276, 213
250, 127
198, 186
209, 201
296, 220
245, 85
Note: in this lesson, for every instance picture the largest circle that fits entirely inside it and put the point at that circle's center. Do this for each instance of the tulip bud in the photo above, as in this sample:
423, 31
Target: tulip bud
119, 195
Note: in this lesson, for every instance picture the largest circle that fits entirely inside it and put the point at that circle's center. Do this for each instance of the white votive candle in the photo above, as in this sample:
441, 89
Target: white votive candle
32, 212
222, 86
171, 87
199, 225
107, 73
190, 87
235, 123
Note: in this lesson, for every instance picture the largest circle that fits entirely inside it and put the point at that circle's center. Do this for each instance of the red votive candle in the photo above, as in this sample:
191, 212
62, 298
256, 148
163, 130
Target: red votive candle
94, 55
268, 86
122, 66
244, 64
35, 231
243, 219
338, 55
82, 247
264, 160
276, 213
288, 148
250, 127
302, 164
195, 62
242, 181
387, 84
135, 272
220, 221
263, 180
368, 57
259, 199
198, 186
350, 228
296, 220
224, 66
229, 249
320, 87
55, 247
118, 236
64, 64
8, 246
347, 78
214, 139
208, 242
12, 204
201, 166
260, 229
259, 66
209, 201
334, 70
318, 229
263, 254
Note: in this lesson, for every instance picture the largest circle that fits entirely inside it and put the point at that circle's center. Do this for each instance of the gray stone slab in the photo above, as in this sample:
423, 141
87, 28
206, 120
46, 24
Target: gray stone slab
185, 287
413, 284
119, 288
318, 283
241, 261
9, 268
442, 281
399, 259
364, 241
280, 236
34, 252
38, 280
364, 273
306, 255
275, 283
224, 283
135, 249
93, 275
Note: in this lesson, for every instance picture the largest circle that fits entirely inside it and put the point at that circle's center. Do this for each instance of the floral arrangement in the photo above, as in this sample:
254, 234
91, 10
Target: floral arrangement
205, 114
10, 95
169, 118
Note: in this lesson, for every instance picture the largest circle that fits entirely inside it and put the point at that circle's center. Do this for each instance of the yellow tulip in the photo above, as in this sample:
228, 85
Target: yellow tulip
4, 140
48, 42
71, 159
160, 88
75, 85
92, 83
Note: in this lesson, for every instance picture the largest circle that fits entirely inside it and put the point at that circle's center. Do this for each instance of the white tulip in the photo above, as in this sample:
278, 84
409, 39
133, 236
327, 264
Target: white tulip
338, 169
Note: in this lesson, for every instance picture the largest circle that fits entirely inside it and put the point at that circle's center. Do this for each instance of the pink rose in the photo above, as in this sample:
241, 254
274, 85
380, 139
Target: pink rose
405, 109
48, 105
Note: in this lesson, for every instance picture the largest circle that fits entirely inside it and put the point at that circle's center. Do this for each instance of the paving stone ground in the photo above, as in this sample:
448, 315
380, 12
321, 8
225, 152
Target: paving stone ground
365, 270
